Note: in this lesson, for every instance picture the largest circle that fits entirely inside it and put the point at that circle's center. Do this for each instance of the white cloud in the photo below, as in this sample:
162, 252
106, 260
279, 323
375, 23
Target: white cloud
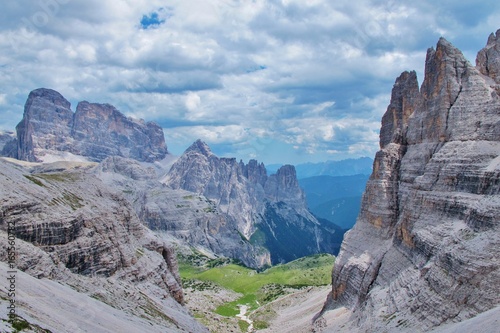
315, 75
193, 101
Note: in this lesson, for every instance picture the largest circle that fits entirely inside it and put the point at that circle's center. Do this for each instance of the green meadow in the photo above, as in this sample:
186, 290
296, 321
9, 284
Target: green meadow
258, 288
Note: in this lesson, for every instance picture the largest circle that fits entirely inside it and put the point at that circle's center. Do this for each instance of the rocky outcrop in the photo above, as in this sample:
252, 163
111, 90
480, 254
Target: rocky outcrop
95, 131
268, 211
284, 186
424, 250
70, 227
488, 59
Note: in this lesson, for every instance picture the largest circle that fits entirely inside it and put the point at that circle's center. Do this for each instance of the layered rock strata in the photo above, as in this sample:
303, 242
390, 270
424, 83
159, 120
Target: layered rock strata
96, 131
425, 248
71, 228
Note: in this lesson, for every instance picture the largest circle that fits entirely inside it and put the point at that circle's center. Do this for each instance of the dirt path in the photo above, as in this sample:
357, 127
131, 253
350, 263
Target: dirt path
243, 316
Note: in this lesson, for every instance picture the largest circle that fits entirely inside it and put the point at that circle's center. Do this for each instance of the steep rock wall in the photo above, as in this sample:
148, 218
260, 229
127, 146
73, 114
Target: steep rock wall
425, 248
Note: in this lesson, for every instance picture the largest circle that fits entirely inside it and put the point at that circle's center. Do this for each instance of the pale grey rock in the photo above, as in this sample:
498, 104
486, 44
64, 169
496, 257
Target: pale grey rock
53, 306
71, 228
487, 60
46, 123
425, 248
100, 130
405, 98
284, 186
222, 180
255, 172
96, 131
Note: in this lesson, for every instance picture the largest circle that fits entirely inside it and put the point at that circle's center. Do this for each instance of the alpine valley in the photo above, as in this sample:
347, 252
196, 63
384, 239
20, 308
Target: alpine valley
100, 226
97, 204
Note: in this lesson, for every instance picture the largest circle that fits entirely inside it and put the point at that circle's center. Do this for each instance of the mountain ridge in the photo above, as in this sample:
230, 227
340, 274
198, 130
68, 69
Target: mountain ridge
346, 167
259, 204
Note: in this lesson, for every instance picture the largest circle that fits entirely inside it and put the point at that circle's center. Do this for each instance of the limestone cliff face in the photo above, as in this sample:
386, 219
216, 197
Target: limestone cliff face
269, 211
425, 248
95, 131
72, 228
284, 186
46, 123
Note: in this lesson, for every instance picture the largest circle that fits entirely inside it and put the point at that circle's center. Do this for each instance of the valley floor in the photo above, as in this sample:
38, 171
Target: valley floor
233, 298
292, 313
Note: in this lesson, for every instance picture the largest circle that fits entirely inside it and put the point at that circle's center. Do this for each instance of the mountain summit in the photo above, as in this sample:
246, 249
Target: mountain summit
50, 129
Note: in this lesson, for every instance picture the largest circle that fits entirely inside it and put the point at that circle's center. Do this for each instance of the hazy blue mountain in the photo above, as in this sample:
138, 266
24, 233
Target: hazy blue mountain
348, 167
336, 199
342, 212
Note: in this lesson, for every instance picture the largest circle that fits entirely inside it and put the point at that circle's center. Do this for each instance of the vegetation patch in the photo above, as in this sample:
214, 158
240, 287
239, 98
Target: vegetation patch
59, 177
243, 325
67, 199
209, 209
19, 324
34, 180
257, 288
260, 324
198, 285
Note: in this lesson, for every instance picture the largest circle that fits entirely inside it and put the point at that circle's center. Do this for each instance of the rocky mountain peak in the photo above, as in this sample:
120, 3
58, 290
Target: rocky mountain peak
50, 129
284, 186
445, 70
48, 95
273, 205
487, 60
199, 147
405, 97
287, 178
255, 172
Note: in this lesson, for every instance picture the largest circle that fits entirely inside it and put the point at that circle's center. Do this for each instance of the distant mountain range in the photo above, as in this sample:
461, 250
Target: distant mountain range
334, 189
347, 167
336, 199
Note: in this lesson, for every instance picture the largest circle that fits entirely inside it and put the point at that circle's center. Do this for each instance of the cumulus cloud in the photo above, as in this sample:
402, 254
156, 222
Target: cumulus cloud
278, 80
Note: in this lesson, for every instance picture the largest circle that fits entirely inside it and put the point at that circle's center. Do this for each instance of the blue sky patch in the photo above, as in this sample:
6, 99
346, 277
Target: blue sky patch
151, 21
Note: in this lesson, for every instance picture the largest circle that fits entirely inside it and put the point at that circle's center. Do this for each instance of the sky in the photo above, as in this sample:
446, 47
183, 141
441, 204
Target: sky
280, 81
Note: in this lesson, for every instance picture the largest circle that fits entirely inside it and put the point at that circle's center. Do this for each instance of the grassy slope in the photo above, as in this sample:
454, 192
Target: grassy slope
260, 288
